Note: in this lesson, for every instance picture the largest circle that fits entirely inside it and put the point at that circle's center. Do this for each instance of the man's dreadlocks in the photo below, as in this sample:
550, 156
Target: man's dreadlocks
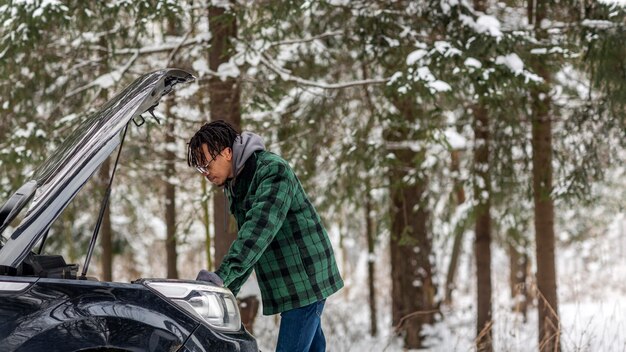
217, 135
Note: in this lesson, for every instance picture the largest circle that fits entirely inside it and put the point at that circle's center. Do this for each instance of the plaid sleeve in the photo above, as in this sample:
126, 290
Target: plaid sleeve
264, 219
235, 286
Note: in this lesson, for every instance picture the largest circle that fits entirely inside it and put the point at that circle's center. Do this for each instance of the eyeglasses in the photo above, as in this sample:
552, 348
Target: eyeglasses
205, 168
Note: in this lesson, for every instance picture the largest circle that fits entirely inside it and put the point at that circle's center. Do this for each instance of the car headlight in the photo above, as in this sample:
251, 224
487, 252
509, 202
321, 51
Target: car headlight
215, 305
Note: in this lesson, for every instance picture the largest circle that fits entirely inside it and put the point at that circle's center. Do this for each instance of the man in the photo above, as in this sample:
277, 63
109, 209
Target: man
280, 234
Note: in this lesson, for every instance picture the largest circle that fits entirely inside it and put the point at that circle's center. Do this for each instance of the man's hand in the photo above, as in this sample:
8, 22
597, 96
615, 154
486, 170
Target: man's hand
209, 276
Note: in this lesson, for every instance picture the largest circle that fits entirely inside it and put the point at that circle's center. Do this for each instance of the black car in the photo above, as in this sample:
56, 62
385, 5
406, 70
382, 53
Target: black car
47, 305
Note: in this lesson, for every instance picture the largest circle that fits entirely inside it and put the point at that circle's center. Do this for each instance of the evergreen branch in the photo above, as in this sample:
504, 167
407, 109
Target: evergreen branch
306, 40
288, 77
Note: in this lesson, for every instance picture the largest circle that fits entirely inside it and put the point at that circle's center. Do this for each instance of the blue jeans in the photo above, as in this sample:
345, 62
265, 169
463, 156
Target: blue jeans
301, 329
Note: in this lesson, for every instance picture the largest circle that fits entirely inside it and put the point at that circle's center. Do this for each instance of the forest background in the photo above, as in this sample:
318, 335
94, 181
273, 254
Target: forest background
467, 157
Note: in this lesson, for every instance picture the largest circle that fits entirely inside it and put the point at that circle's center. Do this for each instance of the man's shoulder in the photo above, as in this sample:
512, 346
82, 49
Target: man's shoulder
269, 164
265, 158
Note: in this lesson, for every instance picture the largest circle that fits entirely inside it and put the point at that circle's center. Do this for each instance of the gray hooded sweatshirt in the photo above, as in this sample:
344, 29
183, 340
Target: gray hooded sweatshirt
245, 145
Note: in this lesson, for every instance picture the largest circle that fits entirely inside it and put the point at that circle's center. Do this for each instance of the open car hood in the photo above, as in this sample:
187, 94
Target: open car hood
55, 182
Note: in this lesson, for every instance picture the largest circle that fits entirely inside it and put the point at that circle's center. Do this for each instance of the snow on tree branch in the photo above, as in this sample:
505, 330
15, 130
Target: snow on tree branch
107, 80
198, 39
287, 76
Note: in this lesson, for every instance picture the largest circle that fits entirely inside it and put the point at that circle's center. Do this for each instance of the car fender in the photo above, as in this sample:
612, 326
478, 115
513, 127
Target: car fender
86, 314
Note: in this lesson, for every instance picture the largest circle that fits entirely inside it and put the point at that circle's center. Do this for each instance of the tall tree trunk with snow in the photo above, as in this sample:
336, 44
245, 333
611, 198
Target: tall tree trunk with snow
482, 212
482, 243
369, 222
549, 323
411, 270
169, 174
371, 267
458, 236
224, 98
170, 193
225, 105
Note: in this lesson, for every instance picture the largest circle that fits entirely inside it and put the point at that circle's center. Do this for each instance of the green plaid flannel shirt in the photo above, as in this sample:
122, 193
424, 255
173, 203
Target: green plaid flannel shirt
280, 236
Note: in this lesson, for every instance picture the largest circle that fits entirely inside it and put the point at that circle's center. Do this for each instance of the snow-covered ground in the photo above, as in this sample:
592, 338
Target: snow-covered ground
591, 287
592, 305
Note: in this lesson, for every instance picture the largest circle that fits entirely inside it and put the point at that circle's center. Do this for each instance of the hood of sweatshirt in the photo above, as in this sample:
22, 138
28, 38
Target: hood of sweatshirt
245, 145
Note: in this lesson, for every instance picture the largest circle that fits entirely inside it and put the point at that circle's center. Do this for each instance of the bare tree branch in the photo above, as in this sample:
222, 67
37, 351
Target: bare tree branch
175, 51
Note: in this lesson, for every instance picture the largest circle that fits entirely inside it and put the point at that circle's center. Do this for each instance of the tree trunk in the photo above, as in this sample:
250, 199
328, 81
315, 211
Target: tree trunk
170, 172
170, 195
248, 306
346, 268
518, 276
482, 194
106, 231
412, 289
224, 105
458, 236
549, 324
514, 257
371, 269
411, 270
206, 194
207, 224
482, 209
